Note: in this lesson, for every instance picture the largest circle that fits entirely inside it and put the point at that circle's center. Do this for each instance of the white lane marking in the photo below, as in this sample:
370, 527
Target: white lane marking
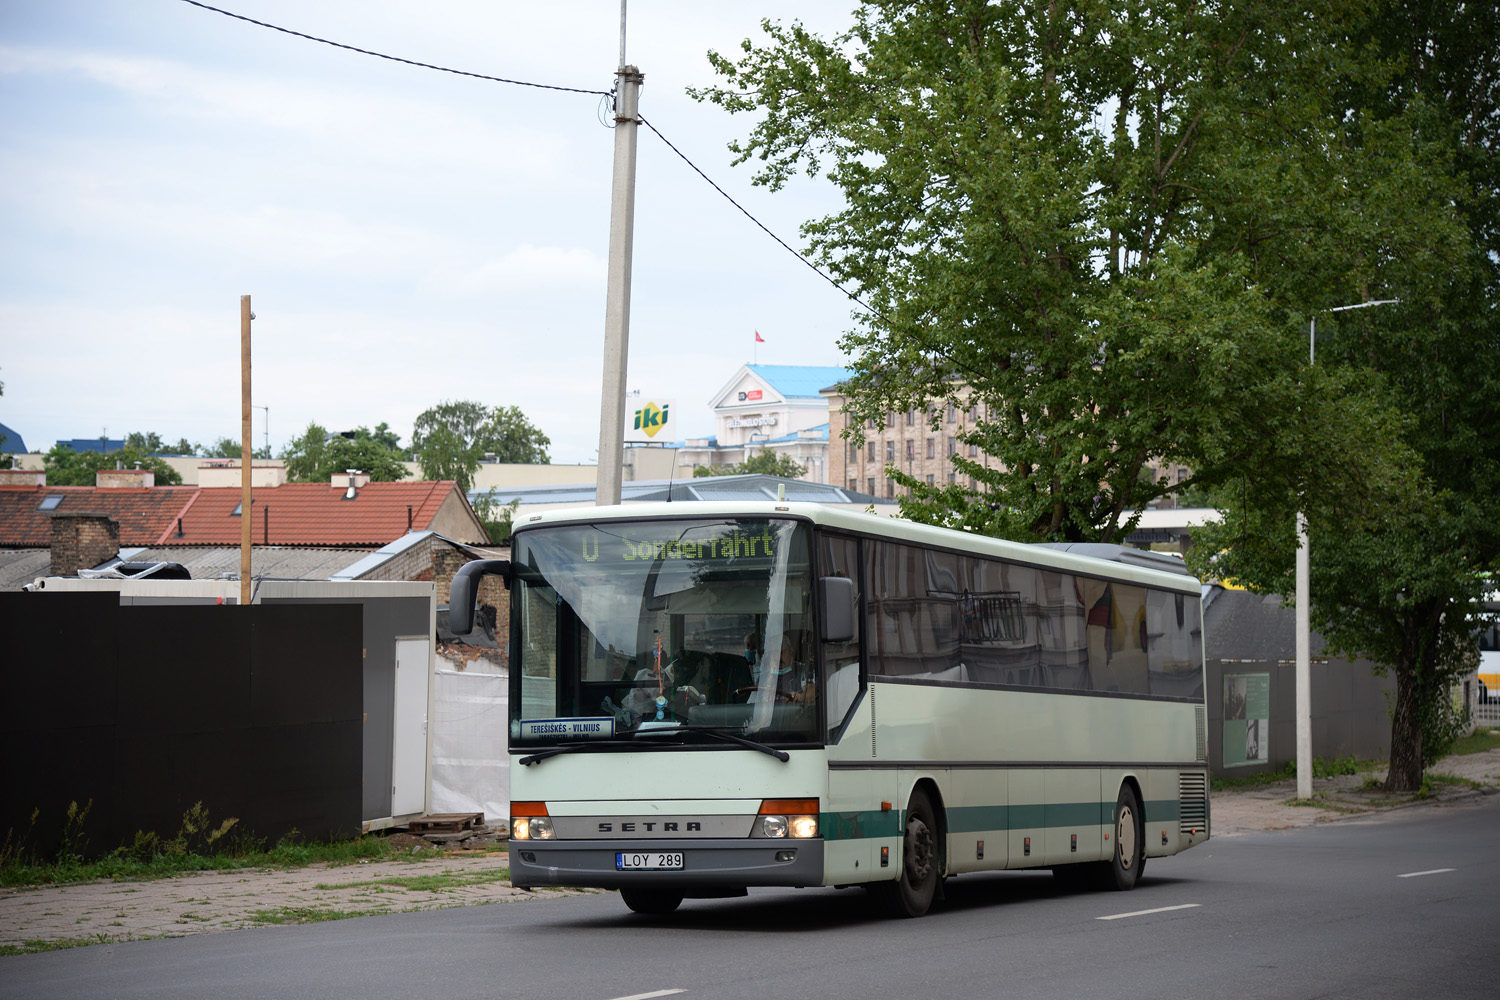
1142, 913
1431, 871
648, 996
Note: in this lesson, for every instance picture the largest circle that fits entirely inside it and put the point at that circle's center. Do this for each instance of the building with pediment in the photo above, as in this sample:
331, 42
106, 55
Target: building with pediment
775, 408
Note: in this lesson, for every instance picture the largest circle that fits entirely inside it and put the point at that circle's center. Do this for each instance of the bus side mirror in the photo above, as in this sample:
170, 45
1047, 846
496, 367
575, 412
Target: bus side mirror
465, 585
836, 608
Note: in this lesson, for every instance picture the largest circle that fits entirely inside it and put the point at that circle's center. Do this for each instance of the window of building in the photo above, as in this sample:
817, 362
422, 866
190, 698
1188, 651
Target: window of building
931, 448
890, 418
890, 488
911, 448
890, 451
853, 453
870, 486
872, 451
952, 445
952, 413
973, 451
929, 479
952, 478
911, 417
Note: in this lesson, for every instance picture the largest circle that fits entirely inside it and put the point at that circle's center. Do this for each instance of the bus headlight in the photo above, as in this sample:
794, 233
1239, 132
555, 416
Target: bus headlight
804, 826
530, 821
781, 818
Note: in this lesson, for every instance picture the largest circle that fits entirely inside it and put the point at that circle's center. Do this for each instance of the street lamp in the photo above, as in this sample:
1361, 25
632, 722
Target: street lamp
1304, 661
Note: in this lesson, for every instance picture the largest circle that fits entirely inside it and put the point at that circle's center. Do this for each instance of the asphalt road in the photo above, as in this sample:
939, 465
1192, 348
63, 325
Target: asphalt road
1402, 904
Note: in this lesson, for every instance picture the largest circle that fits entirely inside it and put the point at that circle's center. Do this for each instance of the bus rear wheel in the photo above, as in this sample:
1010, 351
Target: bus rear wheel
651, 901
912, 894
1124, 868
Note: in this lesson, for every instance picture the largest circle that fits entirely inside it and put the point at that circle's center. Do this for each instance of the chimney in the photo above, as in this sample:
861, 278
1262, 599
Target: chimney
224, 473
114, 479
82, 540
351, 480
23, 477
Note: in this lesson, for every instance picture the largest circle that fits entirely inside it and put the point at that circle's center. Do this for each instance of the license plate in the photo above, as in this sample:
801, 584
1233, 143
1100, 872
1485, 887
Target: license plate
638, 861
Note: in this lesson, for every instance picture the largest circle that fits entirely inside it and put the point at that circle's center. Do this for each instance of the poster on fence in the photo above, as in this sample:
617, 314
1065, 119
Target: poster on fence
1247, 719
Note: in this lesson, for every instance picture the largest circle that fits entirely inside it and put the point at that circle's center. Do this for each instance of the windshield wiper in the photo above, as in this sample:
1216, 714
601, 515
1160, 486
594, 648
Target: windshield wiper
722, 733
717, 732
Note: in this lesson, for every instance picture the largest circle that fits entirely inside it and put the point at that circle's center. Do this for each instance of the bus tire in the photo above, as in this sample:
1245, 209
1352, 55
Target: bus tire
912, 894
651, 901
1124, 868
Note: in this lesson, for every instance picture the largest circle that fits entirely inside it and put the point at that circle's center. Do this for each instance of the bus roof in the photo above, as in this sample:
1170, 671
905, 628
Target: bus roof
1157, 569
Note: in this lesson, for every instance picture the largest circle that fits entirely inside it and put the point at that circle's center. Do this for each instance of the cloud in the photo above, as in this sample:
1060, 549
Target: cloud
528, 267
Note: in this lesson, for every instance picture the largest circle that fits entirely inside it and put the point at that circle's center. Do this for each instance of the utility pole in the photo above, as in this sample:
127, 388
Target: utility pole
245, 317
617, 290
1302, 642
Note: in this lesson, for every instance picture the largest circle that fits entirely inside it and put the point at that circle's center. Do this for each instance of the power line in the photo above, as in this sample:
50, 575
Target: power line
816, 269
382, 55
572, 90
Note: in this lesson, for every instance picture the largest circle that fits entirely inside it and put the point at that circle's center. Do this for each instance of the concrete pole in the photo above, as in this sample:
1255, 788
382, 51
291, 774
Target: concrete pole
1304, 667
617, 290
245, 317
1304, 586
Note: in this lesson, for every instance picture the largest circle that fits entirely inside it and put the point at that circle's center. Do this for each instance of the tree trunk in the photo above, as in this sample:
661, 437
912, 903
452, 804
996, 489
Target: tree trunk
1407, 765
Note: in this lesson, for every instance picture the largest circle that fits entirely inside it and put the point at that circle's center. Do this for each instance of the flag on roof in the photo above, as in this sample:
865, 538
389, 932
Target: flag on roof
758, 338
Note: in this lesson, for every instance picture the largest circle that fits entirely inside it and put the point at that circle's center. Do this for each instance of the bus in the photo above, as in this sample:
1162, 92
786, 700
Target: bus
709, 697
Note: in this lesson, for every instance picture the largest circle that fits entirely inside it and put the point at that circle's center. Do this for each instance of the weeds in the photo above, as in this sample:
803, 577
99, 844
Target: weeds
199, 845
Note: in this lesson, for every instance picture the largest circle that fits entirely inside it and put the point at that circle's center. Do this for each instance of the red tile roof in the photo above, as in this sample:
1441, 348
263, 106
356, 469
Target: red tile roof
311, 514
296, 513
143, 514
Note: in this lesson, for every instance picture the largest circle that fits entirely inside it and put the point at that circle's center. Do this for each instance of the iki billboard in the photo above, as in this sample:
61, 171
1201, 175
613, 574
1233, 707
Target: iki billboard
649, 420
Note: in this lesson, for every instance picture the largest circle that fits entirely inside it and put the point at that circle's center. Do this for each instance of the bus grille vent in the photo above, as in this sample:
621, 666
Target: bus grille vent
1200, 719
1192, 810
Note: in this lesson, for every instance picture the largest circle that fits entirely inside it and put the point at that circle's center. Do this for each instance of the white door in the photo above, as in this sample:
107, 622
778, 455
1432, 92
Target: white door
409, 747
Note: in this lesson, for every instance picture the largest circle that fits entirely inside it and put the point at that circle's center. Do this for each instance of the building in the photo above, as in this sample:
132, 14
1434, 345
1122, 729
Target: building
921, 443
300, 530
774, 408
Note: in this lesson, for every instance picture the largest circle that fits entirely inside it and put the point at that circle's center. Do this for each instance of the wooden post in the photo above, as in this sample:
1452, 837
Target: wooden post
245, 317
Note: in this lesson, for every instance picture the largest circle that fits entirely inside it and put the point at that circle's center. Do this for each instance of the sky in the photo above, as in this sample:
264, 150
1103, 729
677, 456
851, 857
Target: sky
406, 236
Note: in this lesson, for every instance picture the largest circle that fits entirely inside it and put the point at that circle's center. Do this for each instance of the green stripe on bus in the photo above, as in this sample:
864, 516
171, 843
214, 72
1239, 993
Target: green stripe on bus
972, 819
861, 825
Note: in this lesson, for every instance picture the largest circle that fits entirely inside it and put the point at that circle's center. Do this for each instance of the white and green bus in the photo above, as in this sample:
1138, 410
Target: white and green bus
711, 696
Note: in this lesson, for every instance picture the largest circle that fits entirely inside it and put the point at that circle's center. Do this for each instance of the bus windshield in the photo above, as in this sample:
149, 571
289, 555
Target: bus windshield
667, 630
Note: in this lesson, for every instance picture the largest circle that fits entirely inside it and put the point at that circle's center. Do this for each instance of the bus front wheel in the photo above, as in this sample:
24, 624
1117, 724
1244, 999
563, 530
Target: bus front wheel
651, 901
1122, 871
911, 895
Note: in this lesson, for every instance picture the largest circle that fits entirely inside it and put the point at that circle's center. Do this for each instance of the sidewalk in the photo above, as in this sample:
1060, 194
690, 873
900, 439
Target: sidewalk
59, 916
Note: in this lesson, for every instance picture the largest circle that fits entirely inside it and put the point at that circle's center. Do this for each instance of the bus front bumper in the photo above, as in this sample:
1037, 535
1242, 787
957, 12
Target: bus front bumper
705, 863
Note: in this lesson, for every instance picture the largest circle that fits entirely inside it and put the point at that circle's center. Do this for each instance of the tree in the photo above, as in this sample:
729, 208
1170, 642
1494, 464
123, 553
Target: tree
765, 463
148, 443
1403, 589
66, 467
452, 438
1094, 227
316, 455
1103, 228
230, 448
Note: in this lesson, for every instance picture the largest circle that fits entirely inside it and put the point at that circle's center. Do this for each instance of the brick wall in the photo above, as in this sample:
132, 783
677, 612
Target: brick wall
446, 562
82, 540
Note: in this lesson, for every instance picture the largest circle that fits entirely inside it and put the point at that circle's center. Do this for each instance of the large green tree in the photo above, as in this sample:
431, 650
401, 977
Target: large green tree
66, 467
453, 438
315, 456
1102, 229
1403, 588
1094, 226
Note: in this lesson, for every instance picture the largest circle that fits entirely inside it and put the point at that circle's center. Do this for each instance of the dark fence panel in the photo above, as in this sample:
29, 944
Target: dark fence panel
141, 712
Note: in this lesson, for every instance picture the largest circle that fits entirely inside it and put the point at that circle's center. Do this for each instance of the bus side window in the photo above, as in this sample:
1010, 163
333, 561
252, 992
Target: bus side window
839, 556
